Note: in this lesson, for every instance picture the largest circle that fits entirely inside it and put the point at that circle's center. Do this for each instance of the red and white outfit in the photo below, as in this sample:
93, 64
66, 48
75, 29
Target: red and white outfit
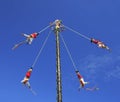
82, 82
99, 43
26, 78
30, 37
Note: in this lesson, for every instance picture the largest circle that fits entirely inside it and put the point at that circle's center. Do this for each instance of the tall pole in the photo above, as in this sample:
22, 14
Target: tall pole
58, 67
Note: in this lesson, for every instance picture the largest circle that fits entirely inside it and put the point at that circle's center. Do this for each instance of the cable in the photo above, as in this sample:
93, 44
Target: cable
44, 29
77, 33
40, 50
75, 68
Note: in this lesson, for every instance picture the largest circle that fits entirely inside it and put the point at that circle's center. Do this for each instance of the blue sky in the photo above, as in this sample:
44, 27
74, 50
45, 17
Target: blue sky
93, 18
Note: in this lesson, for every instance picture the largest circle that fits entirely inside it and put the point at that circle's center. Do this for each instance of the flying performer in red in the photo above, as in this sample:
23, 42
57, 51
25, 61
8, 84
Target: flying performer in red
99, 43
25, 81
83, 83
29, 39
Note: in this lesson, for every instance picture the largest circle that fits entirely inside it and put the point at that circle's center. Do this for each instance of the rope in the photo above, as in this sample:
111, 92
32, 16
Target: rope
44, 29
17, 45
75, 68
40, 50
77, 33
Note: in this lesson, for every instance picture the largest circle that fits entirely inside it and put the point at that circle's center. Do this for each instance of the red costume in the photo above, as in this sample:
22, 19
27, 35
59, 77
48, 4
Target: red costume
78, 75
95, 41
28, 74
34, 35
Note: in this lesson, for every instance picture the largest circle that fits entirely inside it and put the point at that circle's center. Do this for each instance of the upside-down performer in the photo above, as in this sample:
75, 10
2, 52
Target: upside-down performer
25, 81
99, 43
29, 39
83, 83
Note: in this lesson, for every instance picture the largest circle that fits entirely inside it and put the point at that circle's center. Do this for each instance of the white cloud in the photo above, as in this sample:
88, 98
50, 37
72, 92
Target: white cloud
115, 73
106, 65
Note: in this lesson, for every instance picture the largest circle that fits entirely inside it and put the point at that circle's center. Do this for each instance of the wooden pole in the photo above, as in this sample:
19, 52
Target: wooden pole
58, 68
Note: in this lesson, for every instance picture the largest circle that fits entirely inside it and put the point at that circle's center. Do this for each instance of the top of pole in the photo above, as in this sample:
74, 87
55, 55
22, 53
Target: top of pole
57, 26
